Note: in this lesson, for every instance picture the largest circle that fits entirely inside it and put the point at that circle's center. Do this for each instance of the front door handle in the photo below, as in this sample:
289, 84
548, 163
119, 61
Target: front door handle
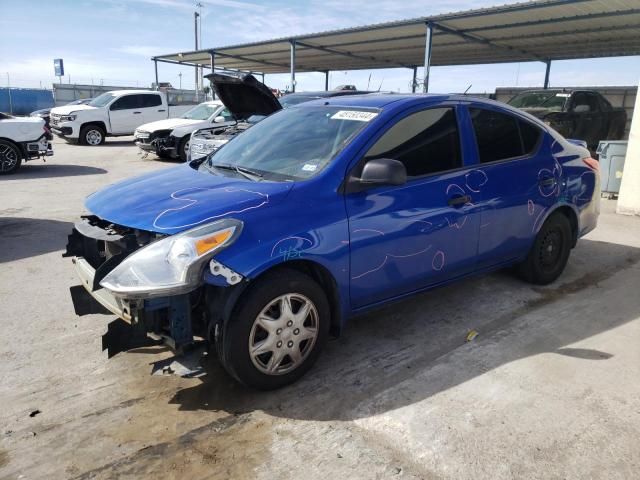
547, 182
163, 110
459, 200
136, 113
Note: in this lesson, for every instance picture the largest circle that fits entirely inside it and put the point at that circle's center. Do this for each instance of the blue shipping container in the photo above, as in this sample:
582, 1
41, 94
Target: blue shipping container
23, 101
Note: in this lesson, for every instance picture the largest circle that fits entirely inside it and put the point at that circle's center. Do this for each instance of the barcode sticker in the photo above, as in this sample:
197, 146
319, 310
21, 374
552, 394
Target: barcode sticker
354, 115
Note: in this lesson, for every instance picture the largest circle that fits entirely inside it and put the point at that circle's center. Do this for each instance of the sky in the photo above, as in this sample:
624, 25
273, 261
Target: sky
111, 42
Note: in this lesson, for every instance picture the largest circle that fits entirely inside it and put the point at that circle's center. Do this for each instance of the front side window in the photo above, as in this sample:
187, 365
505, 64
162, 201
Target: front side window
425, 142
584, 102
292, 144
126, 102
500, 136
102, 100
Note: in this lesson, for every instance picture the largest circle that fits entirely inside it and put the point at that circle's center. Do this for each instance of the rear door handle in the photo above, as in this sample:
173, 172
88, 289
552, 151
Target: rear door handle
163, 110
135, 113
547, 182
458, 201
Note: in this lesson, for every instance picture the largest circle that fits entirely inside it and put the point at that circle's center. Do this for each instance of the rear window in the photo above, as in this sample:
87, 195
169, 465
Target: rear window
500, 136
151, 100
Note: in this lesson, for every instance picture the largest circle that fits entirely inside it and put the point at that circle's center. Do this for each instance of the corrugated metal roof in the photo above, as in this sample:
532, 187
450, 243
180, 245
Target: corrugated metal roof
537, 30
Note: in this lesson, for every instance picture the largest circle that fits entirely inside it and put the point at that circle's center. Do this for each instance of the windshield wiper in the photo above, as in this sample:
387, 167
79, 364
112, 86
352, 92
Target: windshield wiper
245, 172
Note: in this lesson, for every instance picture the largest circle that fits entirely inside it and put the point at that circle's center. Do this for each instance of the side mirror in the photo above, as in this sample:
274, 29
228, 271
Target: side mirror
219, 119
383, 171
582, 109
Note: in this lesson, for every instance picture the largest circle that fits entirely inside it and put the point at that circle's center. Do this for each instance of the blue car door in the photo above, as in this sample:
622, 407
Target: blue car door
407, 237
522, 180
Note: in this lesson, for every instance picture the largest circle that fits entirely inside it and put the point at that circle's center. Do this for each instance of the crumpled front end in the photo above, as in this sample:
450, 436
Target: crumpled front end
160, 142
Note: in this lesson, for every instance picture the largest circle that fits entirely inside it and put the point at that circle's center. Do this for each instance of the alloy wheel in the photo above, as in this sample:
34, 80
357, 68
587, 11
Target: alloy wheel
283, 334
94, 137
8, 157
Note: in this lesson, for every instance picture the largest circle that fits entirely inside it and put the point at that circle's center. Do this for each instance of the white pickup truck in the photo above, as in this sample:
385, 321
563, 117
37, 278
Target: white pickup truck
112, 114
22, 138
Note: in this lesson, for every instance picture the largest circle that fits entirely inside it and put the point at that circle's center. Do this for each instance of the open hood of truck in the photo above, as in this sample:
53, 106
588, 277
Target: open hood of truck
180, 198
243, 95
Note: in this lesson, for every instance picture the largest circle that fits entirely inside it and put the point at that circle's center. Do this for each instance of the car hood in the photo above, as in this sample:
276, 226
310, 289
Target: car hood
243, 95
67, 109
170, 124
176, 199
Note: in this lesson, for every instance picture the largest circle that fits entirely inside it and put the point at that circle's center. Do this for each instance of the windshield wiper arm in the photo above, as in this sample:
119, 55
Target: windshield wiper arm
245, 172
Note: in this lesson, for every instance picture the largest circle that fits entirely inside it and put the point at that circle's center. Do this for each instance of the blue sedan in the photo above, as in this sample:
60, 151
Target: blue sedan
328, 209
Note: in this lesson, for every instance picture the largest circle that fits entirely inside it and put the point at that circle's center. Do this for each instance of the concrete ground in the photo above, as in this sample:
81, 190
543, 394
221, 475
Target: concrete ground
549, 389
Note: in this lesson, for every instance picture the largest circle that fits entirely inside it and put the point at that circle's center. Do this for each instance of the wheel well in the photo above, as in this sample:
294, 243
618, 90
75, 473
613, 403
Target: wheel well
324, 278
573, 220
97, 124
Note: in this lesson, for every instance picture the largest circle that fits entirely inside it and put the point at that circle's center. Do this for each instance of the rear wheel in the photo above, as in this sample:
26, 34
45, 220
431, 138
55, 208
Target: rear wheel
550, 251
92, 135
10, 157
277, 331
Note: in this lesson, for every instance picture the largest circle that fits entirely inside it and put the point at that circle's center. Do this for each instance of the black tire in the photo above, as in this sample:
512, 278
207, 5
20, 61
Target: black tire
10, 157
550, 251
92, 135
163, 155
182, 146
233, 347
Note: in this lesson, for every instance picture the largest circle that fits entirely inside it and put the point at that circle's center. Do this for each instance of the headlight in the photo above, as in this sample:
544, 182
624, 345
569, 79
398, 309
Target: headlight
172, 265
67, 118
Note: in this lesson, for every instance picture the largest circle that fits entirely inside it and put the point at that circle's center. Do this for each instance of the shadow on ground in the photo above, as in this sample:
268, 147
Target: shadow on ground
27, 237
379, 351
45, 170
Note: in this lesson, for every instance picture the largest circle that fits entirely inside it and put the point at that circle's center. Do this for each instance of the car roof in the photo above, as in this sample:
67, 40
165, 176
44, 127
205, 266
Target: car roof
381, 100
122, 92
328, 93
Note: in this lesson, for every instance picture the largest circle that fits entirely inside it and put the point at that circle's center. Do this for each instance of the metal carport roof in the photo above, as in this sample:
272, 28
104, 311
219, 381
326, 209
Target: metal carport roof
543, 30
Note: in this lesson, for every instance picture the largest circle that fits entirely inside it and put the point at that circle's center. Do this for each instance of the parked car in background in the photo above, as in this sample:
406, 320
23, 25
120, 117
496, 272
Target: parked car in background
112, 114
580, 114
22, 139
249, 101
169, 138
325, 210
45, 112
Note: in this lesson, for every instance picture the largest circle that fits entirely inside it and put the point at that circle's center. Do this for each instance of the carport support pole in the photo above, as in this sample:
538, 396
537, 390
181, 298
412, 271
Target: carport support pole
415, 79
155, 62
293, 65
326, 80
212, 55
427, 56
546, 74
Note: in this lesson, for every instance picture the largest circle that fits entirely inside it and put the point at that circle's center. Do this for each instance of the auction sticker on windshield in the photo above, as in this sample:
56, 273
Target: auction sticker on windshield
354, 115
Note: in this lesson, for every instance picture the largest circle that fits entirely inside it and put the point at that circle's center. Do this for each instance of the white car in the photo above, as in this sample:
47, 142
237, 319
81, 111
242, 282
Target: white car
170, 138
112, 114
22, 138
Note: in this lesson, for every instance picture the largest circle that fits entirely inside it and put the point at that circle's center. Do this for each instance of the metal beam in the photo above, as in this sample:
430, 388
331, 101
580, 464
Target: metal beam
326, 80
415, 79
292, 65
427, 55
484, 41
351, 55
546, 74
155, 64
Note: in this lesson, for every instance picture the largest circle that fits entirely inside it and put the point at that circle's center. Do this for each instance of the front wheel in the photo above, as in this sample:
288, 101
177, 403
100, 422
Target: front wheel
550, 251
92, 135
277, 331
10, 157
183, 148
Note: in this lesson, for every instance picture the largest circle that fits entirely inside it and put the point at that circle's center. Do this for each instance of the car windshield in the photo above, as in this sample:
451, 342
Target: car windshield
201, 112
292, 144
102, 100
550, 100
291, 100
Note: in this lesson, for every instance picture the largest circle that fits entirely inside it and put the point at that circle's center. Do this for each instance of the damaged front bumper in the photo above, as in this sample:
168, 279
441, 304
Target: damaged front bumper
160, 143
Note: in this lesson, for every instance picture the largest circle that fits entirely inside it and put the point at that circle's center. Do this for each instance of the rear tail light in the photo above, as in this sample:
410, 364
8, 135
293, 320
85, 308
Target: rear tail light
591, 163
